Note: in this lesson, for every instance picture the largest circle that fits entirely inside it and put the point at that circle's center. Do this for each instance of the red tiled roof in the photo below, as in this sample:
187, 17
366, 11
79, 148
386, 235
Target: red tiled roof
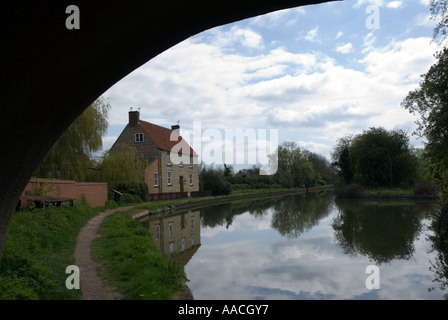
161, 137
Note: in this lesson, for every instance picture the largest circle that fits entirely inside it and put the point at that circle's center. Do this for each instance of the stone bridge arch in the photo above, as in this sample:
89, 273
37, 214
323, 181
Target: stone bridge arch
50, 74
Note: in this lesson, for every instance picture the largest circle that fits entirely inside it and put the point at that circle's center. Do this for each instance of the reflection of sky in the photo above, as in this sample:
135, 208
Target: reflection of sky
250, 260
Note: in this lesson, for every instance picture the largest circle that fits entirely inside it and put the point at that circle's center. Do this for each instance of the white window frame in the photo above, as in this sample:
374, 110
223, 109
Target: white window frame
168, 158
169, 179
192, 223
181, 163
139, 137
191, 161
170, 230
156, 179
191, 178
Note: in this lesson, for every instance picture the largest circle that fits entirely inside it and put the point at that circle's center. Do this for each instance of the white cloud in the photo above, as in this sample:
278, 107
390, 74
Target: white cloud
344, 48
312, 35
395, 4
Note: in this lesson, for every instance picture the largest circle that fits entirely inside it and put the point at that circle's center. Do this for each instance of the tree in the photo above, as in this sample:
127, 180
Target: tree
121, 166
376, 158
213, 180
439, 12
321, 166
293, 169
70, 156
342, 160
430, 101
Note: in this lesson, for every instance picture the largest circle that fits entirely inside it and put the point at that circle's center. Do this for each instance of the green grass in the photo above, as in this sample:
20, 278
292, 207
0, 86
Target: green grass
132, 262
38, 248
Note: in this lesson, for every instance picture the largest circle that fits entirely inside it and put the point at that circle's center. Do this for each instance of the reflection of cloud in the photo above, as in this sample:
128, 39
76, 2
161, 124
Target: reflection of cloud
251, 261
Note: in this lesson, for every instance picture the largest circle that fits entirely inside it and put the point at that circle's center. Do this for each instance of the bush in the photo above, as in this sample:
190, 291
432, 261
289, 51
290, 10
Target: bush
349, 190
139, 189
425, 188
130, 198
213, 180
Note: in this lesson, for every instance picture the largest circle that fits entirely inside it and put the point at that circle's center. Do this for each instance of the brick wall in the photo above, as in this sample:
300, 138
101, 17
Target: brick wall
95, 192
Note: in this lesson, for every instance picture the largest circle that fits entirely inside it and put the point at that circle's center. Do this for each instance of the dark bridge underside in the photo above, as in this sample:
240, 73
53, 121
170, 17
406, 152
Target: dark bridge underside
50, 74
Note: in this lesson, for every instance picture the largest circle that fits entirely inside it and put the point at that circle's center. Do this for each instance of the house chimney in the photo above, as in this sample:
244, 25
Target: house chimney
175, 127
134, 117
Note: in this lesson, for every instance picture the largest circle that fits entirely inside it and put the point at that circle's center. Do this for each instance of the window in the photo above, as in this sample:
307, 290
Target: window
168, 158
169, 178
170, 230
193, 240
158, 231
156, 179
139, 137
192, 223
171, 247
191, 161
181, 164
191, 178
183, 244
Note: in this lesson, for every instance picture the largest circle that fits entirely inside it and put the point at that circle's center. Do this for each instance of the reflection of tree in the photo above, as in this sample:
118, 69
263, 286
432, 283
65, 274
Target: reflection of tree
297, 214
223, 214
439, 240
382, 231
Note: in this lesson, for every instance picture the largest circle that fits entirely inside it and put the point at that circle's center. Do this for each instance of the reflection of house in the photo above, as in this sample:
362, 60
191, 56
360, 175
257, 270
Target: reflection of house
171, 164
178, 235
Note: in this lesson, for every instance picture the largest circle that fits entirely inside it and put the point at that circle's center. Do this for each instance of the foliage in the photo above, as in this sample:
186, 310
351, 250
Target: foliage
430, 101
38, 248
439, 12
120, 167
213, 179
293, 170
70, 157
349, 190
133, 262
137, 191
425, 188
376, 158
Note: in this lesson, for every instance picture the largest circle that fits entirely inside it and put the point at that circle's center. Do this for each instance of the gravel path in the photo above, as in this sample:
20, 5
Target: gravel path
92, 286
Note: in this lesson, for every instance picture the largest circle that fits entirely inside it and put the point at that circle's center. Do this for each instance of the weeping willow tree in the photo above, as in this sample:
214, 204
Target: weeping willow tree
121, 166
71, 156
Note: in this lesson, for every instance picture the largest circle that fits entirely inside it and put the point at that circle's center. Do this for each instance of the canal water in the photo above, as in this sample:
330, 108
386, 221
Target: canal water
305, 247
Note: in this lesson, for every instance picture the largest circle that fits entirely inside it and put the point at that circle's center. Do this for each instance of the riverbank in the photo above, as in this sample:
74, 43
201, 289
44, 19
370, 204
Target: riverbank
164, 207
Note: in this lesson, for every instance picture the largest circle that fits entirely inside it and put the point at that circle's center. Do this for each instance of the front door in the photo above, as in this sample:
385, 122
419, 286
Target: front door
181, 183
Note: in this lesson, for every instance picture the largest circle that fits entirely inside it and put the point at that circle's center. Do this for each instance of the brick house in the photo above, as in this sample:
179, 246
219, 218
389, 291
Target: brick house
171, 164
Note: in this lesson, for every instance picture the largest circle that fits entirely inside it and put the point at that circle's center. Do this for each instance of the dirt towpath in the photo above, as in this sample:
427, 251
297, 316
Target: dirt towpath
92, 286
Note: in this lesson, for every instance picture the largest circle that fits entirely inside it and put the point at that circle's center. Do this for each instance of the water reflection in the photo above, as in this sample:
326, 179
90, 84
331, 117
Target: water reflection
293, 216
302, 247
439, 244
382, 231
177, 235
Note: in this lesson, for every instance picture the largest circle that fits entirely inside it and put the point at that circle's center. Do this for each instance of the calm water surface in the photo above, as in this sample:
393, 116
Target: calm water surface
304, 247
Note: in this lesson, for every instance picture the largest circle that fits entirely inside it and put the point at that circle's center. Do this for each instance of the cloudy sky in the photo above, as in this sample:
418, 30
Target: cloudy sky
314, 74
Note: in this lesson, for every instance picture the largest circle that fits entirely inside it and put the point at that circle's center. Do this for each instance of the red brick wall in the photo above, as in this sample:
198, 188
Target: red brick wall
95, 192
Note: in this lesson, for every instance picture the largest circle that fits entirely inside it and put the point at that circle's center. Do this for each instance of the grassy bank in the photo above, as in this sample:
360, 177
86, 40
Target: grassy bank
38, 248
133, 263
41, 242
